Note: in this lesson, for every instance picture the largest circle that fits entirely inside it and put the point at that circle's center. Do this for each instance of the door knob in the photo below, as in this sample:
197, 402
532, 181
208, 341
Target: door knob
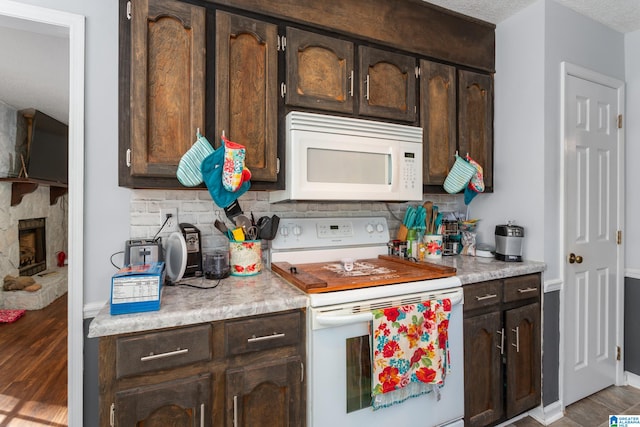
575, 258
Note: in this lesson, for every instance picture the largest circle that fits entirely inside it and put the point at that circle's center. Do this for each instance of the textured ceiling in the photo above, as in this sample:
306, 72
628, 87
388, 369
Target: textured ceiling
621, 15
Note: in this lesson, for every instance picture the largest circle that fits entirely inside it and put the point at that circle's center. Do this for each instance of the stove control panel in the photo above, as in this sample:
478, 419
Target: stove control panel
304, 233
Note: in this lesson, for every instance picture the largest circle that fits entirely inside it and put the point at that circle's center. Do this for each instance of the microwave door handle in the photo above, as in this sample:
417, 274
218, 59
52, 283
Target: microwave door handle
340, 320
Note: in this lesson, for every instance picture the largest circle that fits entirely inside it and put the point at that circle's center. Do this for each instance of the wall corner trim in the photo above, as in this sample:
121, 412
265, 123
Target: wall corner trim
548, 414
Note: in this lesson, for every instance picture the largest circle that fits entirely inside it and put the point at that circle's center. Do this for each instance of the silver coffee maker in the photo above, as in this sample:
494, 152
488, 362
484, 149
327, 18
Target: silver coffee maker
509, 240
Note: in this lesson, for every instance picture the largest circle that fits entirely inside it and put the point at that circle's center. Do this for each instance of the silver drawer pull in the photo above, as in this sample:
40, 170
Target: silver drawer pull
524, 291
517, 344
273, 336
163, 355
487, 296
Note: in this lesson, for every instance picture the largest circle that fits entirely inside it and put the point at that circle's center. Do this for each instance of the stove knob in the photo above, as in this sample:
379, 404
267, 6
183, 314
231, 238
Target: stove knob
284, 231
297, 230
369, 228
379, 228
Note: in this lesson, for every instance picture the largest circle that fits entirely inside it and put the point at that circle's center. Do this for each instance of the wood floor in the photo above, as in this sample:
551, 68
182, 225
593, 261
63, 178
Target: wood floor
594, 410
33, 368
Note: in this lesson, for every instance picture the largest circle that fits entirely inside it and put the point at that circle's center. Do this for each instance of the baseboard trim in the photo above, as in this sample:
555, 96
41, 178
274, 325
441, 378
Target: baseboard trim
548, 414
632, 379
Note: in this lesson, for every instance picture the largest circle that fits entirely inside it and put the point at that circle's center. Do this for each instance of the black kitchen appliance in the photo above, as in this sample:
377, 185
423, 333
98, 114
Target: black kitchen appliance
194, 250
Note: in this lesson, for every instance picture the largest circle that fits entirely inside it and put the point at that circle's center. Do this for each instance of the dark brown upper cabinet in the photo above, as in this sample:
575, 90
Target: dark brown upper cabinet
246, 79
438, 120
475, 120
319, 71
166, 71
387, 84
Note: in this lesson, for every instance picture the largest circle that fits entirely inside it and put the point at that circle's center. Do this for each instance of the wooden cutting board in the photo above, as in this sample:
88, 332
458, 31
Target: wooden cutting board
331, 276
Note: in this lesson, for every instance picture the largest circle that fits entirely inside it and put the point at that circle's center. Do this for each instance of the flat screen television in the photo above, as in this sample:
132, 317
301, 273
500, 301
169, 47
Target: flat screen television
48, 149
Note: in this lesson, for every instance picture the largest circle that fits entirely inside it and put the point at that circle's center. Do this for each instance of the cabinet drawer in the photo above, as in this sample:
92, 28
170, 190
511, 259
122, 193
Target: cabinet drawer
483, 294
162, 350
261, 333
521, 287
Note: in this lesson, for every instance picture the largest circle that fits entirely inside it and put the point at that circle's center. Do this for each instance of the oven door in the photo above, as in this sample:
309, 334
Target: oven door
339, 369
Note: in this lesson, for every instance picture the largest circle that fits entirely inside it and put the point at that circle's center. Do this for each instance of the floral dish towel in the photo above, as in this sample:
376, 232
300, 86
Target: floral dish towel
410, 351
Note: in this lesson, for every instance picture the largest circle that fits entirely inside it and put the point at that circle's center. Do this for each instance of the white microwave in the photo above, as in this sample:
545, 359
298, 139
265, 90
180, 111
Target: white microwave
340, 158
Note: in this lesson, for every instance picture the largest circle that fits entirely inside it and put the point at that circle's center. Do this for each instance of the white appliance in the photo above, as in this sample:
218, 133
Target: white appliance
338, 324
339, 158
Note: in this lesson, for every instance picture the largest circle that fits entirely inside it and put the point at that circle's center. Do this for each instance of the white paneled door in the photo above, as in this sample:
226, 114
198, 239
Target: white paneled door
592, 221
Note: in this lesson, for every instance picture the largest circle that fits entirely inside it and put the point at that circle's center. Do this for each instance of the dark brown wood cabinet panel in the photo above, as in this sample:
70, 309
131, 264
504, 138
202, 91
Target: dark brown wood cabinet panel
319, 71
522, 326
162, 350
475, 120
483, 369
438, 120
265, 395
263, 333
486, 295
167, 76
502, 341
246, 79
412, 25
387, 84
179, 403
521, 288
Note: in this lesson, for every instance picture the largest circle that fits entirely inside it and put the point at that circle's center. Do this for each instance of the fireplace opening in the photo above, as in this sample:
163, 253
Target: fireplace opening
33, 247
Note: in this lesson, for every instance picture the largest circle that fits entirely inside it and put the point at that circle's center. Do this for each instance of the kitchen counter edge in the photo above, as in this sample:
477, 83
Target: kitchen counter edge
234, 297
266, 293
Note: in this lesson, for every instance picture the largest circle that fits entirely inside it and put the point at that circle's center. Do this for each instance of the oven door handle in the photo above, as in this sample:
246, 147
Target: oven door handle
340, 320
328, 319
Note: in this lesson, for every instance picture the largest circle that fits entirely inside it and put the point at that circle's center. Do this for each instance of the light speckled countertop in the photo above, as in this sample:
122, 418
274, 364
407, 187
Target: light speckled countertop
477, 269
235, 296
265, 293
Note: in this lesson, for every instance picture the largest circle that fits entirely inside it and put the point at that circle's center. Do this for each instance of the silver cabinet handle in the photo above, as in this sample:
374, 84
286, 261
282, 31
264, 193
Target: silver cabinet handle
501, 346
487, 296
235, 411
273, 336
517, 344
163, 355
367, 83
351, 84
524, 291
202, 415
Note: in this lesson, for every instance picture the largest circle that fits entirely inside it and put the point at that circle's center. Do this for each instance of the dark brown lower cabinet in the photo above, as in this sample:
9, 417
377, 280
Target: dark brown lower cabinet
502, 354
231, 373
265, 395
179, 403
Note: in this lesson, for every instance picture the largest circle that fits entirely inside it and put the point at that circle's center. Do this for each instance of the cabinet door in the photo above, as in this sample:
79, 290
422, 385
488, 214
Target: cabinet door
522, 326
265, 395
167, 84
178, 403
387, 84
475, 120
483, 369
246, 90
319, 71
438, 120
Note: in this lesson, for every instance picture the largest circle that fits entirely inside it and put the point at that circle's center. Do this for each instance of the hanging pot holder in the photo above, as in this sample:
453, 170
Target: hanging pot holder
459, 176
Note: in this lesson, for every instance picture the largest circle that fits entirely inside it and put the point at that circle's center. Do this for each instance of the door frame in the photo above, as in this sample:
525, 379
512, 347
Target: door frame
75, 25
567, 70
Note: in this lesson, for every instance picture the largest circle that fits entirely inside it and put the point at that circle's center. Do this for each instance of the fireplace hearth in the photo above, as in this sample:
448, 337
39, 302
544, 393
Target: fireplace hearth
33, 246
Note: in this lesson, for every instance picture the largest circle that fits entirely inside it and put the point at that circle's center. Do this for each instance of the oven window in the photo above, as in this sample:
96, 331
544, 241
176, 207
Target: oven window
358, 373
348, 167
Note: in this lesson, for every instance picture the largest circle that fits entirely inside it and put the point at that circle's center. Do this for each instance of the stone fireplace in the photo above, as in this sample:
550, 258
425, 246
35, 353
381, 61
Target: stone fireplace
33, 246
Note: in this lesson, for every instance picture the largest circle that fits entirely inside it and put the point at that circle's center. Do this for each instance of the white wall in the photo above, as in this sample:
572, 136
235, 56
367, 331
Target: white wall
106, 217
518, 132
632, 141
529, 49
